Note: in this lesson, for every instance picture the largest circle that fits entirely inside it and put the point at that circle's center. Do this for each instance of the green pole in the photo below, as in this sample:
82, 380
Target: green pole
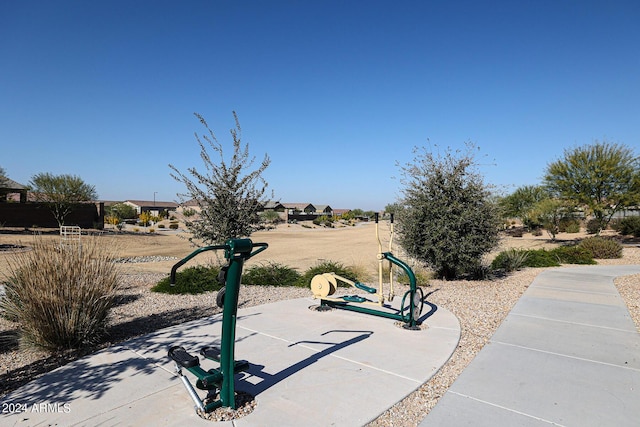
238, 250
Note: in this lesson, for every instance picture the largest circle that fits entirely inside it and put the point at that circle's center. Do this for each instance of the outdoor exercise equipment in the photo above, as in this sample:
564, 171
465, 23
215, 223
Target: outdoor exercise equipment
221, 379
324, 285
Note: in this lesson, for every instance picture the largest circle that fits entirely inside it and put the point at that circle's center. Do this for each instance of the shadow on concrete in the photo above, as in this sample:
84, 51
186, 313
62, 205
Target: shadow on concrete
269, 380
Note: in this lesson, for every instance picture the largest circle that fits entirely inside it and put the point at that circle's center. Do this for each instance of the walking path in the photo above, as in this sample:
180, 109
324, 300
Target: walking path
568, 354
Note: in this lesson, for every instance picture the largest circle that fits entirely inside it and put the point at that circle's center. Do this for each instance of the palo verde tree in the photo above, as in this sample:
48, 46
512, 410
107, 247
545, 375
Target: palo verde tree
522, 202
61, 193
603, 178
228, 193
449, 220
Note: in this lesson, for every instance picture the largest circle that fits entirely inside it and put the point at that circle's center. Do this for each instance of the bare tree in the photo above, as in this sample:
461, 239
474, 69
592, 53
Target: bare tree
228, 193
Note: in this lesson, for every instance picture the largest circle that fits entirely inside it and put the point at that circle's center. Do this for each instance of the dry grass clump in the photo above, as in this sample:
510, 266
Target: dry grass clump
60, 296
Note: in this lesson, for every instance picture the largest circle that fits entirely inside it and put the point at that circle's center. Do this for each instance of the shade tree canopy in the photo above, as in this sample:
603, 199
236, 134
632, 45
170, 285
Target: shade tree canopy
603, 178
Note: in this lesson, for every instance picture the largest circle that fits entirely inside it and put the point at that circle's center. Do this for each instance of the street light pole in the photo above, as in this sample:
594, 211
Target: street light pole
154, 198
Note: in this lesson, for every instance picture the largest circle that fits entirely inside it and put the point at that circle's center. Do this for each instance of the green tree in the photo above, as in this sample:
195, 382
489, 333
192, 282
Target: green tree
521, 203
603, 178
449, 220
393, 208
61, 192
122, 211
229, 195
549, 213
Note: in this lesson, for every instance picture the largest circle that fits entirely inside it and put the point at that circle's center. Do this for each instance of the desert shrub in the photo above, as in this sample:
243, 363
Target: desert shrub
112, 219
449, 221
324, 220
569, 225
173, 225
270, 274
602, 248
145, 218
541, 258
536, 232
189, 212
61, 298
594, 226
191, 280
327, 267
161, 226
480, 272
270, 217
630, 226
573, 255
510, 260
422, 276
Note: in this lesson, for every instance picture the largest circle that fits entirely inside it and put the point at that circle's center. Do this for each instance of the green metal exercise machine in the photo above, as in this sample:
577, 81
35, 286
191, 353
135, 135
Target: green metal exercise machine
324, 285
222, 378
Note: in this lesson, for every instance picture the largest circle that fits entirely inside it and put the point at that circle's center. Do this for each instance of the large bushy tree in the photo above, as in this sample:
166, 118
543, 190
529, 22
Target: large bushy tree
228, 193
449, 220
61, 192
603, 178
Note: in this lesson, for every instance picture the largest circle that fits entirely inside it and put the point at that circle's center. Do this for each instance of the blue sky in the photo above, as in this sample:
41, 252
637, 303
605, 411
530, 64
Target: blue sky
335, 92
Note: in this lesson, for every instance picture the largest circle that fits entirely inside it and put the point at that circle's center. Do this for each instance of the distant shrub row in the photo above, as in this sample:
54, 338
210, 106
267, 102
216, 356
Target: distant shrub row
195, 280
582, 253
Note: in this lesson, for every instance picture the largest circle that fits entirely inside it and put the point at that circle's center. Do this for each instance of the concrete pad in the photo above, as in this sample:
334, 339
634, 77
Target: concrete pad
306, 368
90, 386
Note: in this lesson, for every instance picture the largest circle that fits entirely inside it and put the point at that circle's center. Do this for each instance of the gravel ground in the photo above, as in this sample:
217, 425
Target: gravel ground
479, 305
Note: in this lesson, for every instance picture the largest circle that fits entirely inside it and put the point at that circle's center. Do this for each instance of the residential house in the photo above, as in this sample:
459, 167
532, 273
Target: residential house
153, 207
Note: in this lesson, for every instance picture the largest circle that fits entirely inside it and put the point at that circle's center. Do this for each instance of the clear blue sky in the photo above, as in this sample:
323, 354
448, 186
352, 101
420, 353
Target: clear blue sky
335, 92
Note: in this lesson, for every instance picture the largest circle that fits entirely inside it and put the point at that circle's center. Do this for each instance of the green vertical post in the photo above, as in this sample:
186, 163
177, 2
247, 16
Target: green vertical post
238, 250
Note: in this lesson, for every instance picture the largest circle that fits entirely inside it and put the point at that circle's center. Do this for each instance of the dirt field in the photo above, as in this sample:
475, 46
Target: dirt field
289, 244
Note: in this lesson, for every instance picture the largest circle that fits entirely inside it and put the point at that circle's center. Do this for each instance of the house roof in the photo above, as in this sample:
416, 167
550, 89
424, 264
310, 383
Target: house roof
152, 203
300, 206
9, 184
271, 204
323, 208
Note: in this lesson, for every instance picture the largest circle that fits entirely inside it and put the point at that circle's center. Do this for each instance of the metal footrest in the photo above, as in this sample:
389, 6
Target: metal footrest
365, 288
181, 357
353, 298
212, 353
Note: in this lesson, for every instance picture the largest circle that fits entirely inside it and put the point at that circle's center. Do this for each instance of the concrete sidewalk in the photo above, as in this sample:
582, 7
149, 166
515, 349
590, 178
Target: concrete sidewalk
567, 354
308, 368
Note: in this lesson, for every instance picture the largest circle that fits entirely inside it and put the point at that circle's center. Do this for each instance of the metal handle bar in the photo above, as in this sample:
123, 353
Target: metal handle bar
191, 255
261, 247
404, 266
227, 247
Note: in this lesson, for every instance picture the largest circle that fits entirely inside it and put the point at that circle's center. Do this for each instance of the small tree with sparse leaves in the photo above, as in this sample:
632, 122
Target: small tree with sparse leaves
228, 193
